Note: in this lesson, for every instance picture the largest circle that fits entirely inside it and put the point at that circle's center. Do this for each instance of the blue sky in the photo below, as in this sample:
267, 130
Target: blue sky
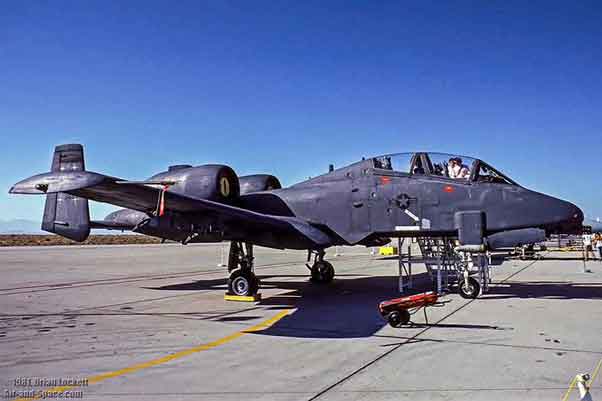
287, 87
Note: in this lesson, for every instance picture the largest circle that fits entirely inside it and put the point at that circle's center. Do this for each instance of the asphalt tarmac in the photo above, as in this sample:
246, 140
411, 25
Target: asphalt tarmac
149, 322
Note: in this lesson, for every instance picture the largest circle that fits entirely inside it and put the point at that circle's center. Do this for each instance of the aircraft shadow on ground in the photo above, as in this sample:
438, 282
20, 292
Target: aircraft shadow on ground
544, 290
345, 308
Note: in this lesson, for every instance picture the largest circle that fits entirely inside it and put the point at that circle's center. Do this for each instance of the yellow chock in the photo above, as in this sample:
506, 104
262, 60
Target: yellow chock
242, 298
387, 250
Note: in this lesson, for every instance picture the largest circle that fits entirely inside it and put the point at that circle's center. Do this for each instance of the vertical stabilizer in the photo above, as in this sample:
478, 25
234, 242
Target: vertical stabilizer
65, 214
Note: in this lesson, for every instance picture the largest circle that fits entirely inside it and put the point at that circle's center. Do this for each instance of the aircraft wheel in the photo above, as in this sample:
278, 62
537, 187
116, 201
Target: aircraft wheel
243, 283
469, 289
322, 272
398, 318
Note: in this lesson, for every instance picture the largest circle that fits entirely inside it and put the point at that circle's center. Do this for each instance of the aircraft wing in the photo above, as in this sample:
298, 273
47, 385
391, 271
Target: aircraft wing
143, 197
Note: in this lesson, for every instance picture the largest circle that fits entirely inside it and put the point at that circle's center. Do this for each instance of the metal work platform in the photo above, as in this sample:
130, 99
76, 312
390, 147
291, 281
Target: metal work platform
441, 261
404, 265
446, 266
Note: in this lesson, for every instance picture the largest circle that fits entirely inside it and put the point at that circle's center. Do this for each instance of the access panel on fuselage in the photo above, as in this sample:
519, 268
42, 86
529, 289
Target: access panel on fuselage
396, 204
362, 189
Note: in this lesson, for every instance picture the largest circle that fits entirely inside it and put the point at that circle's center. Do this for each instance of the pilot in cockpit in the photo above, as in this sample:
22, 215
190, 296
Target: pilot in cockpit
458, 170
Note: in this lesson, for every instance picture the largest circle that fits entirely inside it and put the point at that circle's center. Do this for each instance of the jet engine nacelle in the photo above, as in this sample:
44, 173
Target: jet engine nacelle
258, 182
212, 181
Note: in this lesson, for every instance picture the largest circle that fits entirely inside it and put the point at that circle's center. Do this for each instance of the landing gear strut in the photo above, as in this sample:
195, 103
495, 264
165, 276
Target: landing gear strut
242, 280
321, 270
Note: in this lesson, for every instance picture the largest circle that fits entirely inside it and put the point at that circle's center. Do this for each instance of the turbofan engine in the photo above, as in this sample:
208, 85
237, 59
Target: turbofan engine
257, 183
212, 181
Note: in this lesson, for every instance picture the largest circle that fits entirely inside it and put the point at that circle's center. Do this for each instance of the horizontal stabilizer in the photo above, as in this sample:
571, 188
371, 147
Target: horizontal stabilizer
53, 182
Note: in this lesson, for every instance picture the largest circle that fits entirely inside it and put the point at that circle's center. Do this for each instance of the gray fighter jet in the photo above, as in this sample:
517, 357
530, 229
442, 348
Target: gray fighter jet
401, 195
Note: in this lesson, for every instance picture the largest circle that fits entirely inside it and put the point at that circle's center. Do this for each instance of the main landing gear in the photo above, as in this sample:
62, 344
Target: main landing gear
321, 270
242, 280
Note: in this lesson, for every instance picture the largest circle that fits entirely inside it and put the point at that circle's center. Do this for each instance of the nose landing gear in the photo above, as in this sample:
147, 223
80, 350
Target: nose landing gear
469, 288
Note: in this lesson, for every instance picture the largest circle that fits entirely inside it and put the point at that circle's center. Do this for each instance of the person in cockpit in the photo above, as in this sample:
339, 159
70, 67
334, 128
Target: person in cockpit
457, 170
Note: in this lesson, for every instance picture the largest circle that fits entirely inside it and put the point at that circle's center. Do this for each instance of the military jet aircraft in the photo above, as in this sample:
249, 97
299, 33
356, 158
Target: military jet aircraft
399, 195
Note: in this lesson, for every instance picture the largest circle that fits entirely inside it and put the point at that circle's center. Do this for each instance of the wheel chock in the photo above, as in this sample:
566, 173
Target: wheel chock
242, 298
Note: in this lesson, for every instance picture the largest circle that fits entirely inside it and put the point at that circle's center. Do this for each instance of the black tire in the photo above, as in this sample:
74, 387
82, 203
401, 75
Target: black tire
398, 318
322, 272
243, 283
470, 289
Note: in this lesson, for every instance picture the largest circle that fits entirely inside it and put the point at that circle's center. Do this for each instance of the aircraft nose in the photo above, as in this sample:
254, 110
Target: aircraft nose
572, 222
578, 215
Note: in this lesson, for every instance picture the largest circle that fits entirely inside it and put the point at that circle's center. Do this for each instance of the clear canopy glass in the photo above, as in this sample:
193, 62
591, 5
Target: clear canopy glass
443, 165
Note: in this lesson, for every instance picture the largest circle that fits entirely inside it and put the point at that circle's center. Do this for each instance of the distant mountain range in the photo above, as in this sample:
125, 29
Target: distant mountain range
20, 226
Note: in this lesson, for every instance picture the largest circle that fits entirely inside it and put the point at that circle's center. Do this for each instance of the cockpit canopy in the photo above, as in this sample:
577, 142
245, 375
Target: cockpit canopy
441, 165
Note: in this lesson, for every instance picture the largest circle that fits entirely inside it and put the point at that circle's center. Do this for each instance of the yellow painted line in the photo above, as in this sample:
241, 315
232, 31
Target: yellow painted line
574, 382
596, 371
570, 389
168, 358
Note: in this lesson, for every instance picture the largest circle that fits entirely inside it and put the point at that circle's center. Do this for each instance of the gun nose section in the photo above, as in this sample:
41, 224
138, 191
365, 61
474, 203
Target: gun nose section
578, 214
573, 219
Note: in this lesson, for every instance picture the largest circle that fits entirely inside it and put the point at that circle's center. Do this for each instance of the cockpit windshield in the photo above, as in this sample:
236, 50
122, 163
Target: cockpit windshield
486, 173
444, 165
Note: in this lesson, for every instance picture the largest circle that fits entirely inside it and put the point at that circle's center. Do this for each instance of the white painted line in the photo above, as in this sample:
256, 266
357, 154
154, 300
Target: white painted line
407, 228
412, 215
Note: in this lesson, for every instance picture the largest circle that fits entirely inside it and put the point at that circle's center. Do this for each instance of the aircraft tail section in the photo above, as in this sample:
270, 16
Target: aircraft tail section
65, 214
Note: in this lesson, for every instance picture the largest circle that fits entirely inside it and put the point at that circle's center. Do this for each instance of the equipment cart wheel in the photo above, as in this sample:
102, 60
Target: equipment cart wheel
322, 272
469, 289
243, 283
398, 318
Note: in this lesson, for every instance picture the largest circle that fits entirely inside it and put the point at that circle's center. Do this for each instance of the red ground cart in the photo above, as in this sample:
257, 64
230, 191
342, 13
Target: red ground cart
398, 311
